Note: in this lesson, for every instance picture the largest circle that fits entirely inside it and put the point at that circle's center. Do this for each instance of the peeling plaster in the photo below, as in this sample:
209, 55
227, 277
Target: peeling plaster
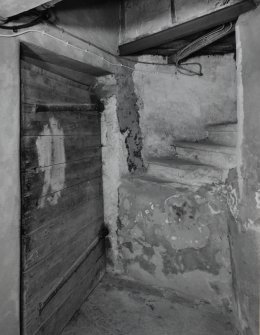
51, 153
179, 237
128, 119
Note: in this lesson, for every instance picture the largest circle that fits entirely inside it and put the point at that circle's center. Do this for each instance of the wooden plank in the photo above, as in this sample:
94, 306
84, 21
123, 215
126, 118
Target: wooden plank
31, 71
65, 311
218, 17
76, 172
39, 85
62, 307
60, 220
69, 277
41, 242
67, 107
85, 121
33, 216
76, 148
43, 275
46, 56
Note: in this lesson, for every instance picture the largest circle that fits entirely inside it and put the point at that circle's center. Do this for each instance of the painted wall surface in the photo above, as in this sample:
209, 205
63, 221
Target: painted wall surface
94, 21
10, 188
173, 106
145, 17
244, 187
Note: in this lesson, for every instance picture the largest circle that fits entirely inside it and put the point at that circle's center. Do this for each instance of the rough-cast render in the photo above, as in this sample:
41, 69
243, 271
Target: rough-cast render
176, 237
173, 235
244, 182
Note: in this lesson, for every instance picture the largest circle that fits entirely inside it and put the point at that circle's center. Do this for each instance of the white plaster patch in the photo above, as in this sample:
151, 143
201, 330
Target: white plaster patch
257, 199
212, 210
51, 152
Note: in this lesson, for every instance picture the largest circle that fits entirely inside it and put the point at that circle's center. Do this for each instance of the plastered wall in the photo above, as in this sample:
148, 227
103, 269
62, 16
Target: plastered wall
185, 248
10, 188
244, 182
173, 106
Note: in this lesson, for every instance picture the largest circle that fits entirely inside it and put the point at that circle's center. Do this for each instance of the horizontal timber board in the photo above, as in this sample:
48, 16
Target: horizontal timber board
33, 216
84, 288
39, 85
42, 276
67, 122
36, 184
76, 147
59, 232
75, 291
213, 19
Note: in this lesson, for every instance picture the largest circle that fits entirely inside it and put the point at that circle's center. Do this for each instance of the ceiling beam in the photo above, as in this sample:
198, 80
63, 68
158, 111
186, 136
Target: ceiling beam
13, 7
218, 17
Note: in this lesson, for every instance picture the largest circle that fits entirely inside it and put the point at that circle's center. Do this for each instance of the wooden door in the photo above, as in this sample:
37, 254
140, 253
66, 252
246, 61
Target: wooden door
63, 255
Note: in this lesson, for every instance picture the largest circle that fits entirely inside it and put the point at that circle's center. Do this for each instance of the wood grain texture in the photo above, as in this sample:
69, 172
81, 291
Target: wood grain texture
63, 253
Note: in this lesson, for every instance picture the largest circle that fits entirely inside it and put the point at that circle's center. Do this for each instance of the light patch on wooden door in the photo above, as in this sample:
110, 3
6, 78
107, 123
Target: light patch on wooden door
51, 159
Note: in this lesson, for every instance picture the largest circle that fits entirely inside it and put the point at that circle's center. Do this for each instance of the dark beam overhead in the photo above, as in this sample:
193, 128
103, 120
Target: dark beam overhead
196, 25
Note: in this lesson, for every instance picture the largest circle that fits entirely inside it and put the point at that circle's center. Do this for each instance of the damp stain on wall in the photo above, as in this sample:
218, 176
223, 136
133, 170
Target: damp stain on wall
176, 238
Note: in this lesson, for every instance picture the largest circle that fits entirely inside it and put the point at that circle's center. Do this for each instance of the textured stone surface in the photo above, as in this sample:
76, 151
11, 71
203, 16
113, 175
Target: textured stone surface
127, 308
175, 237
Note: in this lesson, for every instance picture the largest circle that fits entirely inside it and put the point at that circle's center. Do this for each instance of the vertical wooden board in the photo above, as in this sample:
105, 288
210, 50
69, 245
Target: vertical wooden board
62, 203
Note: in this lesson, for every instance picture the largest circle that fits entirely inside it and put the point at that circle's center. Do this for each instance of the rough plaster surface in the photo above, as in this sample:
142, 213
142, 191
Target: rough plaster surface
10, 188
94, 21
177, 107
113, 158
190, 9
51, 150
129, 120
119, 306
144, 17
176, 237
244, 183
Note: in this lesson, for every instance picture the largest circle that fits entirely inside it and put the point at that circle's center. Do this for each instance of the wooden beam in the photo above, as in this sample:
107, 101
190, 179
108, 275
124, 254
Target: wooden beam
13, 7
196, 25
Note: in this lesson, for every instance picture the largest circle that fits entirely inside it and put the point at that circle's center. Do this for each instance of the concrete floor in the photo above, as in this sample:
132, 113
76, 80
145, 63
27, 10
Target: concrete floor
122, 307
